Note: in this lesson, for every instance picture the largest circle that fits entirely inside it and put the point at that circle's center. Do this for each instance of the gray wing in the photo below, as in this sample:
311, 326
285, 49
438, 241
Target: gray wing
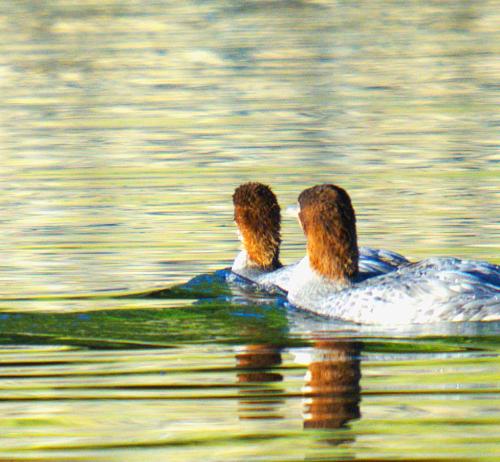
378, 261
486, 273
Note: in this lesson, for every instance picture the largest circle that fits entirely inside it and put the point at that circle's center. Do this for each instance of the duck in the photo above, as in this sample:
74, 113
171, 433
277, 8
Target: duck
257, 215
329, 282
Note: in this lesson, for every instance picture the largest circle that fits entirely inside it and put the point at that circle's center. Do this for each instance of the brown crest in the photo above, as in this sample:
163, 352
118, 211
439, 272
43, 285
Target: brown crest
258, 216
329, 223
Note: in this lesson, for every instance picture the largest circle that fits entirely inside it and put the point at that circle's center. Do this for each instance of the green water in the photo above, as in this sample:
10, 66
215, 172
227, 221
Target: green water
124, 128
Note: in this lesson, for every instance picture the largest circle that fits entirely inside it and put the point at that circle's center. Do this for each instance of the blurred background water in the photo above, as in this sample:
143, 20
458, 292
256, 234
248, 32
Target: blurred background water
124, 128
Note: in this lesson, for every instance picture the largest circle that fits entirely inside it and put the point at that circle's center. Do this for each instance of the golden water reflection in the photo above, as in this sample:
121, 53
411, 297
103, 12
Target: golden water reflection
125, 126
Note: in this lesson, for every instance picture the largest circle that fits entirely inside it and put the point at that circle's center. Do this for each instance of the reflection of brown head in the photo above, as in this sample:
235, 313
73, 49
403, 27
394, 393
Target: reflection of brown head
257, 214
333, 385
255, 363
257, 369
329, 223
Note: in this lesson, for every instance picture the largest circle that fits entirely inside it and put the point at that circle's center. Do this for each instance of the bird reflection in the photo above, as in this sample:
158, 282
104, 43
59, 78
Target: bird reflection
332, 390
256, 359
256, 363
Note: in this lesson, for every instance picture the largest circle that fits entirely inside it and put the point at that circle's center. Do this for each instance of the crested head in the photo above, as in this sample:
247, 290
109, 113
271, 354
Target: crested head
258, 217
329, 223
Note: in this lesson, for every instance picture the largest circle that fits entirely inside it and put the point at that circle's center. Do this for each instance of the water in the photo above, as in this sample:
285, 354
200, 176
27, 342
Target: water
124, 128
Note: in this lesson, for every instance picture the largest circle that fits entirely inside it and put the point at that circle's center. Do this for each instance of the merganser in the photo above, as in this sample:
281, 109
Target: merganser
328, 281
257, 215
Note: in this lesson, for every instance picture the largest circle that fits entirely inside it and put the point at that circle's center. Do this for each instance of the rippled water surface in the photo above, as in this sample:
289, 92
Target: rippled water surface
124, 128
